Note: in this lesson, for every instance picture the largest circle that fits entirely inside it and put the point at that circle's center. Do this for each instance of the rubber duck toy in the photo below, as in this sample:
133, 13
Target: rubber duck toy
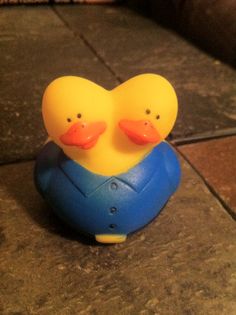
106, 169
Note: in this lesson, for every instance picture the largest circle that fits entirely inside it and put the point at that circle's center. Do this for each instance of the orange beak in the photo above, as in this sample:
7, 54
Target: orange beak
84, 135
140, 132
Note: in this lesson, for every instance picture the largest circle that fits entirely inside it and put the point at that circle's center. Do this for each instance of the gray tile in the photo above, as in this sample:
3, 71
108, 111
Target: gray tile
182, 263
131, 44
30, 59
29, 21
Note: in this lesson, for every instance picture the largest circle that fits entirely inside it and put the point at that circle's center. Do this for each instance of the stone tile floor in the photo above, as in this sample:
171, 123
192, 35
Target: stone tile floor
184, 262
215, 161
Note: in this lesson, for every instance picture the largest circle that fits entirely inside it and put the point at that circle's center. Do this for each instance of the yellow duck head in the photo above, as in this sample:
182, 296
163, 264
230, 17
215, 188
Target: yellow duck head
146, 110
76, 113
108, 132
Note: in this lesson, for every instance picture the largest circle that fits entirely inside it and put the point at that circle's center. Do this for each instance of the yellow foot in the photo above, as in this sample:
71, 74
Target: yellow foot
110, 238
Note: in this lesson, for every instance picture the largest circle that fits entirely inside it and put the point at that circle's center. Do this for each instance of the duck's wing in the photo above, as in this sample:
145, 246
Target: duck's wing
172, 165
46, 163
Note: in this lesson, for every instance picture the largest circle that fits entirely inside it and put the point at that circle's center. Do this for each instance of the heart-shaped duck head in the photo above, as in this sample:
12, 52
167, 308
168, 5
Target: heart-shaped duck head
108, 132
146, 111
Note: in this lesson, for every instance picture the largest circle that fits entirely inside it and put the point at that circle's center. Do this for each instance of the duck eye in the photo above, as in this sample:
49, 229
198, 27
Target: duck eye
158, 117
79, 115
148, 111
68, 119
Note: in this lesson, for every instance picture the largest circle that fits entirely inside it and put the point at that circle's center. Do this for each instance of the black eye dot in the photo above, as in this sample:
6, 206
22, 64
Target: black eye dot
68, 119
148, 111
79, 115
158, 117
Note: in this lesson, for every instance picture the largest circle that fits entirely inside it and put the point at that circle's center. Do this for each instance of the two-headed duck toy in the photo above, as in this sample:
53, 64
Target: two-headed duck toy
106, 169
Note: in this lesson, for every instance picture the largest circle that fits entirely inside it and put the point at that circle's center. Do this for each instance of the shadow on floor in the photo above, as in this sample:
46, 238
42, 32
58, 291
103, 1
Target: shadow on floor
20, 189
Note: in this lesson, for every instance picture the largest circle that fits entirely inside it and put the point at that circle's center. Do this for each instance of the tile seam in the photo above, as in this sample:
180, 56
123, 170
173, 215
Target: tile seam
227, 209
224, 133
88, 45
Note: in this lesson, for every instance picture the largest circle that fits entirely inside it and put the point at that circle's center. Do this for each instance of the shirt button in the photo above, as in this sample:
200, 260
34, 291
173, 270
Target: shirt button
112, 226
113, 210
114, 186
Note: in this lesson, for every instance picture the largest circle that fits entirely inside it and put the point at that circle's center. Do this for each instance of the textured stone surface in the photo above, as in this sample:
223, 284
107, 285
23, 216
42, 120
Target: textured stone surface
215, 160
36, 49
131, 44
199, 20
184, 262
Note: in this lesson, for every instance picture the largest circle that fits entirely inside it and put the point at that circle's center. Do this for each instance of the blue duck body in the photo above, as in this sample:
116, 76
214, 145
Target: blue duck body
98, 204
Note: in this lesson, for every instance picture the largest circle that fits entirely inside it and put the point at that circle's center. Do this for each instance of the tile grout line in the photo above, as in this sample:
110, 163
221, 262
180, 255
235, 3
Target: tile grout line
205, 137
19, 161
88, 44
211, 189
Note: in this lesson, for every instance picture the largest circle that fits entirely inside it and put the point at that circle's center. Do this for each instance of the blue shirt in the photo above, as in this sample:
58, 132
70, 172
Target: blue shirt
99, 204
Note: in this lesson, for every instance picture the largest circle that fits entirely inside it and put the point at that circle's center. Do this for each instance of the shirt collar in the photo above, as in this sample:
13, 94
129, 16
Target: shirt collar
87, 182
